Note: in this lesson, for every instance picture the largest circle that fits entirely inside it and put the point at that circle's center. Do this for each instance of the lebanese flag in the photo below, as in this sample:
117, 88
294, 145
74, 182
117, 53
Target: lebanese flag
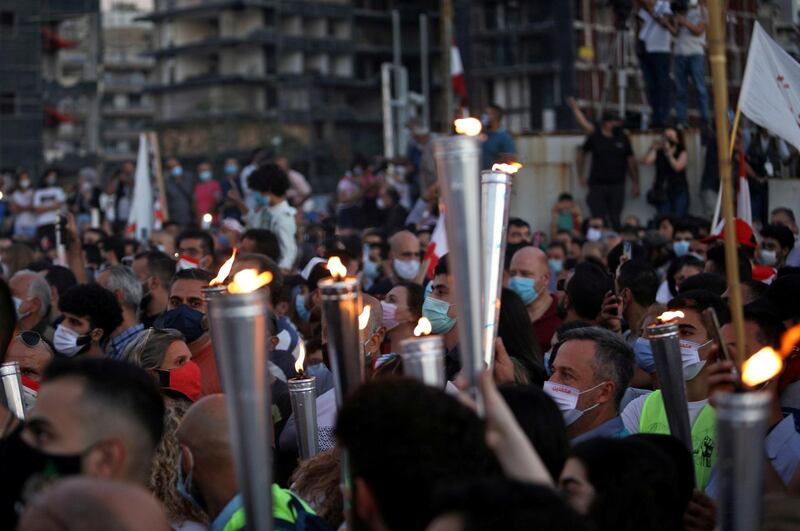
743, 205
437, 248
457, 75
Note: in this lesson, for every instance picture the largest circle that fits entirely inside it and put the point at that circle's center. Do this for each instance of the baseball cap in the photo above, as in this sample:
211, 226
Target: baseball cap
744, 234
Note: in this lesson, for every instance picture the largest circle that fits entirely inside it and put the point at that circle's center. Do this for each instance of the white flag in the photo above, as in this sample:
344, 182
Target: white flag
140, 219
770, 94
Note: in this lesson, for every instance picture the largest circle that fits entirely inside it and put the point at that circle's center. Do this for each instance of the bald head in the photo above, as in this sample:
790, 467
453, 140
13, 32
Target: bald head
205, 431
86, 504
529, 262
404, 245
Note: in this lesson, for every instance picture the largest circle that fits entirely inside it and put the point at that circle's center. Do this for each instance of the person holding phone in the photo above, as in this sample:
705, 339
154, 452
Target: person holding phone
670, 157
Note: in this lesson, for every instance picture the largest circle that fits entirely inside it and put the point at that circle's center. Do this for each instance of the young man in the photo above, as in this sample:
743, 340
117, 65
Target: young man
440, 310
776, 244
154, 270
195, 248
274, 213
91, 314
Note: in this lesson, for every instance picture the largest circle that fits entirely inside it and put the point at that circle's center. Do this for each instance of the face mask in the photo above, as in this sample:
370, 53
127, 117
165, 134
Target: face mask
230, 169
643, 352
485, 120
371, 270
17, 303
380, 203
768, 258
565, 221
389, 315
593, 234
184, 319
406, 269
205, 175
556, 266
681, 248
690, 358
177, 171
566, 398
69, 342
187, 262
188, 488
525, 288
24, 184
300, 306
435, 311
262, 200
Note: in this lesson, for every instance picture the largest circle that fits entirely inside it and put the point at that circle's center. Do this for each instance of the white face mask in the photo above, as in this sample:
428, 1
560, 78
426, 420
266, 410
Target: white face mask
406, 269
690, 358
768, 258
17, 303
593, 234
566, 398
389, 311
66, 341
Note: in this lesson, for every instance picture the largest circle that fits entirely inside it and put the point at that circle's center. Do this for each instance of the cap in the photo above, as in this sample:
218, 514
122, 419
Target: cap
744, 234
183, 381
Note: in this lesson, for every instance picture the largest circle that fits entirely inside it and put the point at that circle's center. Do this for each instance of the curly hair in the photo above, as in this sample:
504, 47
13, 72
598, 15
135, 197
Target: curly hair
269, 178
317, 480
164, 473
94, 302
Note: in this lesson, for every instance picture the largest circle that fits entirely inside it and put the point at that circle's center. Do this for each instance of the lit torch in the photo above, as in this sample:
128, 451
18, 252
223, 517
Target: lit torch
423, 356
217, 284
303, 396
240, 331
206, 223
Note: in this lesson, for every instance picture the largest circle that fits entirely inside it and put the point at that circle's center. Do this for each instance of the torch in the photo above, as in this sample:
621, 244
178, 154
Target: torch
458, 169
11, 377
206, 221
495, 201
303, 396
240, 331
341, 305
217, 284
423, 356
663, 336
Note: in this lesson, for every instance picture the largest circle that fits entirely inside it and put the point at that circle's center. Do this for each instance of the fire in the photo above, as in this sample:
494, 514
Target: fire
789, 340
336, 267
207, 218
363, 319
423, 327
468, 126
669, 316
761, 367
224, 271
301, 358
248, 280
510, 168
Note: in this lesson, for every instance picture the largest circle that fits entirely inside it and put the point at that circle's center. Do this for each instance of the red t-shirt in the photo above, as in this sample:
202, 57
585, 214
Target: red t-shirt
545, 326
205, 197
209, 377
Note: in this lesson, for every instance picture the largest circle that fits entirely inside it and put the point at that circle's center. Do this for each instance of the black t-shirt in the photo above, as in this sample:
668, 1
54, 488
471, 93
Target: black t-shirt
666, 175
609, 157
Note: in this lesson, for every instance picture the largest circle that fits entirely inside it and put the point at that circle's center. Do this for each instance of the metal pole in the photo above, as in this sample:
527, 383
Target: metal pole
424, 70
446, 43
716, 39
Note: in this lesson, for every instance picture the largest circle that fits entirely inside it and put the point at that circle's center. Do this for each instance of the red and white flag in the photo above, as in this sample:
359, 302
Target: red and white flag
770, 94
457, 75
438, 246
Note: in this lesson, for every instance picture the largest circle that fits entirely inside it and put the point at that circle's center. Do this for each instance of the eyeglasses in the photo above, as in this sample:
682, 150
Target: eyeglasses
31, 338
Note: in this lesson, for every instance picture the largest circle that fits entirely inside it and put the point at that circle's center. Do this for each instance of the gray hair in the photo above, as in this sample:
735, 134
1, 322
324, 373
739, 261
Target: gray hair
38, 288
148, 348
614, 358
122, 278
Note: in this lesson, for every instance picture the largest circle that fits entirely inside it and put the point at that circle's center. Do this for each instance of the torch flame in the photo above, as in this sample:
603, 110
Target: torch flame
789, 340
423, 327
669, 316
224, 271
468, 126
761, 367
248, 280
510, 168
301, 357
336, 267
363, 319
207, 218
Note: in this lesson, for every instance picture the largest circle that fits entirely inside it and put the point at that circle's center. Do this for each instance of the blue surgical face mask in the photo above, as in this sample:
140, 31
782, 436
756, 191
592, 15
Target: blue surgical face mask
186, 320
231, 169
300, 307
524, 287
188, 489
177, 171
205, 175
435, 311
644, 355
555, 265
262, 200
681, 248
485, 119
371, 269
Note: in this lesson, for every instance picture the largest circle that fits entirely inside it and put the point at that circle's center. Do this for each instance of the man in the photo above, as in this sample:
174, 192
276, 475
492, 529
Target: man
655, 32
207, 192
403, 262
100, 418
195, 249
612, 159
776, 244
154, 270
647, 414
179, 189
393, 213
392, 489
111, 504
261, 241
31, 295
530, 276
299, 189
519, 231
585, 292
785, 217
121, 281
690, 61
207, 472
761, 328
440, 310
186, 312
91, 315
556, 261
273, 212
636, 286
591, 371
498, 145
765, 156
682, 239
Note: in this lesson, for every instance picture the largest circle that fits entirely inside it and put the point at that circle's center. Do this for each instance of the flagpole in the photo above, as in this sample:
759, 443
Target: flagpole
716, 35
734, 129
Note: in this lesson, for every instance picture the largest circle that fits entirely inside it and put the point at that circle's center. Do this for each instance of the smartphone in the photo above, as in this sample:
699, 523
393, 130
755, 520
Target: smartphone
711, 317
627, 250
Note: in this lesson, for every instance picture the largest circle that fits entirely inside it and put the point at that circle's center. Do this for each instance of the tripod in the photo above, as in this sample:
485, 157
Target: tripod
621, 60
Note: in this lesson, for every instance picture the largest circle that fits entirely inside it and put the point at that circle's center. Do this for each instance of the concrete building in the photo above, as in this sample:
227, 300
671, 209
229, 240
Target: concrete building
126, 109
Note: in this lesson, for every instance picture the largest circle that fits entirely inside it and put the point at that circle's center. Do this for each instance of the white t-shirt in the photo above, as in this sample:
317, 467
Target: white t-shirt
46, 197
633, 412
24, 222
656, 37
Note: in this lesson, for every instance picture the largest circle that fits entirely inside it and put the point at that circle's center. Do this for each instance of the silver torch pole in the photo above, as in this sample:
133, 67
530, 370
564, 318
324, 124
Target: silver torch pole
303, 396
663, 336
741, 428
11, 377
495, 202
458, 168
423, 357
240, 330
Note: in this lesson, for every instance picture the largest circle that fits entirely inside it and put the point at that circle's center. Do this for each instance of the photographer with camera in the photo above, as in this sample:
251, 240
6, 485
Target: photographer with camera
655, 38
690, 58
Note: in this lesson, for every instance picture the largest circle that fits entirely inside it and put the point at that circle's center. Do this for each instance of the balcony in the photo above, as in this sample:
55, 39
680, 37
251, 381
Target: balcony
210, 80
202, 8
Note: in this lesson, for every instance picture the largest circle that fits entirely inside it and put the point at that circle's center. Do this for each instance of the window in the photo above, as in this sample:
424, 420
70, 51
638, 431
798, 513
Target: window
8, 103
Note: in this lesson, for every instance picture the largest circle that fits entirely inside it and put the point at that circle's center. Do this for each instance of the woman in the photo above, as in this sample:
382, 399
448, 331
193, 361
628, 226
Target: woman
22, 208
514, 328
157, 348
47, 202
402, 309
670, 158
679, 270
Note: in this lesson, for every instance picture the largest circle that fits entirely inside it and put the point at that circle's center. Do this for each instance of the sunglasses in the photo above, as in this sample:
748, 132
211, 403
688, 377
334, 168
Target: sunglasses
30, 338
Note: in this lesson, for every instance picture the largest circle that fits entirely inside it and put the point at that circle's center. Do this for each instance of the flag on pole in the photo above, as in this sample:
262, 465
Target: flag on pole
743, 205
140, 219
457, 75
770, 94
438, 246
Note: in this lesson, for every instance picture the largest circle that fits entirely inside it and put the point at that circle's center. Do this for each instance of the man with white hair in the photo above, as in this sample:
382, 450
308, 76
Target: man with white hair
122, 282
31, 295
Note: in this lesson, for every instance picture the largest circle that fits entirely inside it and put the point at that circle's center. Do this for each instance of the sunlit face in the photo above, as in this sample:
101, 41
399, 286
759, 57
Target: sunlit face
188, 291
176, 356
575, 486
76, 323
692, 328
